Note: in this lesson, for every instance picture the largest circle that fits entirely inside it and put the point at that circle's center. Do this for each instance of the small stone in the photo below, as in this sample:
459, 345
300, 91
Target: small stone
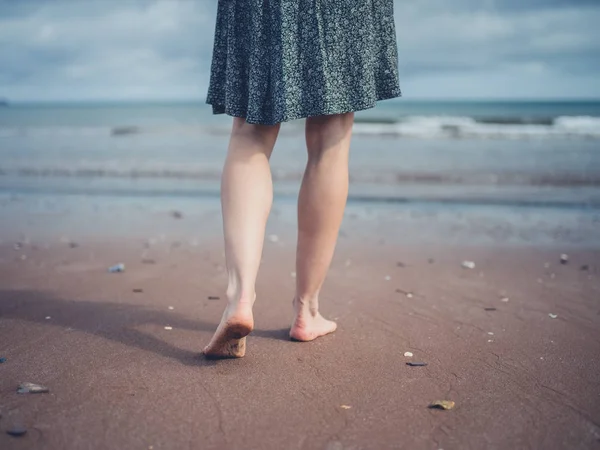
409, 295
490, 340
117, 268
584, 268
408, 354
293, 274
490, 333
73, 244
17, 246
468, 264
168, 328
388, 278
345, 407
552, 316
214, 297
442, 404
430, 260
48, 317
416, 364
490, 309
23, 257
31, 388
2, 360
564, 258
546, 265
273, 238
17, 431
400, 264
138, 290
176, 214
505, 299
348, 262
171, 308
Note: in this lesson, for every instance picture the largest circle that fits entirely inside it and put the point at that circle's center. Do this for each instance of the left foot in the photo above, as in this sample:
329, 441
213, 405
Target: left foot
229, 341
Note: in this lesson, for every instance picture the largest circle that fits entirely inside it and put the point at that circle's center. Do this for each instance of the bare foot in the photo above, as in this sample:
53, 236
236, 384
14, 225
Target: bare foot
229, 341
310, 325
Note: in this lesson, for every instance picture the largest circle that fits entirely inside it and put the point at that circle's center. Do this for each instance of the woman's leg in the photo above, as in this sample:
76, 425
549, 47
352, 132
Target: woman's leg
246, 197
321, 206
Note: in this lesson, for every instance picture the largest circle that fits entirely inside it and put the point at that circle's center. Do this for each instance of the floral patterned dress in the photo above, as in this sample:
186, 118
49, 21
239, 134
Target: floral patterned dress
280, 60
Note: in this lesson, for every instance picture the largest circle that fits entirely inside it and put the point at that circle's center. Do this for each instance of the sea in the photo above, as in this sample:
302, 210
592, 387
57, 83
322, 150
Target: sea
451, 157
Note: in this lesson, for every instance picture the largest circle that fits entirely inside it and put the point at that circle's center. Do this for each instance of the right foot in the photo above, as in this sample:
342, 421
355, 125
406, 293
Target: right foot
308, 326
229, 341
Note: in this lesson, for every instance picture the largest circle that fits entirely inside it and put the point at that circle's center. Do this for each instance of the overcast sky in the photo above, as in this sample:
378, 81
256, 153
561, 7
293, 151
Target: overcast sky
161, 49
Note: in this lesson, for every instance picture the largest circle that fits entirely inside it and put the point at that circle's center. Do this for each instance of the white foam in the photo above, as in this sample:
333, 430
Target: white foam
456, 127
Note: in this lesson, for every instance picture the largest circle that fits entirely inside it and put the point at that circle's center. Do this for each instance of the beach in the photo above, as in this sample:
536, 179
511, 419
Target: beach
513, 341
477, 254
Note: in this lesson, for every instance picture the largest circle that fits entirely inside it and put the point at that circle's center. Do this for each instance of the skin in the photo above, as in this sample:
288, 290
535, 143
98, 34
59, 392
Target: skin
246, 198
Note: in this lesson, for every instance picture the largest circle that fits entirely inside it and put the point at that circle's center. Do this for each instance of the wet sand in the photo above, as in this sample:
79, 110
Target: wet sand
118, 379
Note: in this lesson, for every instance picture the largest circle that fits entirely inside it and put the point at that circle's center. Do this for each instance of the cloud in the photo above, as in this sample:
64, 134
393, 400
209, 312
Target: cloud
161, 49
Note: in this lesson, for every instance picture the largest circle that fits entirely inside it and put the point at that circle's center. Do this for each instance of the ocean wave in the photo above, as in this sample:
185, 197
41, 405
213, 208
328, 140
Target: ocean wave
389, 178
458, 127
419, 127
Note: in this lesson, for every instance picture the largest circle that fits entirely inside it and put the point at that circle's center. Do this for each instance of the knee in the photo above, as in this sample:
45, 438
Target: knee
261, 134
326, 133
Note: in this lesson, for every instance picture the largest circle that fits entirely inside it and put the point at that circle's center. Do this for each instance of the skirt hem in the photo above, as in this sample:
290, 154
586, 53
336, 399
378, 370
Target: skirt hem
240, 111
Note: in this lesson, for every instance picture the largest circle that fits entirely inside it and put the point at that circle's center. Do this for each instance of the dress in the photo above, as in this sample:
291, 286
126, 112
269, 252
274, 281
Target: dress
280, 60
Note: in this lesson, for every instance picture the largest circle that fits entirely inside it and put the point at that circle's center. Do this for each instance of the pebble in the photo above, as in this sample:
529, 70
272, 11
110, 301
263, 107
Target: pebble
345, 407
552, 316
2, 360
273, 238
171, 308
177, 214
168, 328
584, 268
408, 354
138, 290
48, 317
442, 404
117, 268
490, 340
564, 258
31, 388
505, 299
490, 333
293, 274
17, 431
388, 278
416, 364
214, 297
468, 264
490, 309
409, 295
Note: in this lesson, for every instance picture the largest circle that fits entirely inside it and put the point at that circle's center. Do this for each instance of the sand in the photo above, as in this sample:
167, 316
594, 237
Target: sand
118, 379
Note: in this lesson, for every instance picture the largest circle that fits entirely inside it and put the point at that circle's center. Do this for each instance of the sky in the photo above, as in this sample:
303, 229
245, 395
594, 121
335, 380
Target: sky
161, 49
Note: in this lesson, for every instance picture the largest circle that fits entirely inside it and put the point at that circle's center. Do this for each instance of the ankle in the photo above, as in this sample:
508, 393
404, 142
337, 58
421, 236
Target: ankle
236, 298
306, 306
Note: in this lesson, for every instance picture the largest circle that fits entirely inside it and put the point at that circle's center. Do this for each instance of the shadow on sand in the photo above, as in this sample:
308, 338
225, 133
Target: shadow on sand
114, 321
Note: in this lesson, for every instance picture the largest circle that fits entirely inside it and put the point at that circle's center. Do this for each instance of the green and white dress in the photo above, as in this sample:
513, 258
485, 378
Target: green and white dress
280, 60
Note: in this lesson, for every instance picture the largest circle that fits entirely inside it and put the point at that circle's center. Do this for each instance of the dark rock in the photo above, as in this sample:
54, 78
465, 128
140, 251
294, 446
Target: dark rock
17, 431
